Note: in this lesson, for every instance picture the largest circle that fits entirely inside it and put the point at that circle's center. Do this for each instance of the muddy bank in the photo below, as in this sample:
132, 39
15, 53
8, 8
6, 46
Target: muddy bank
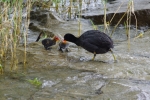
119, 8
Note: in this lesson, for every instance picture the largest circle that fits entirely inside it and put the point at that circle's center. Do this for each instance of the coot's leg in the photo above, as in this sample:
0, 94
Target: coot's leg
113, 54
94, 56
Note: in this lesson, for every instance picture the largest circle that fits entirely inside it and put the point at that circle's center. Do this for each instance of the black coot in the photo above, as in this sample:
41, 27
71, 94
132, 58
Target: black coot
63, 46
93, 41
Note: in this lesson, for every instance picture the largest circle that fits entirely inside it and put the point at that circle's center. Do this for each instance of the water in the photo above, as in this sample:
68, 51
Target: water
86, 4
76, 6
73, 76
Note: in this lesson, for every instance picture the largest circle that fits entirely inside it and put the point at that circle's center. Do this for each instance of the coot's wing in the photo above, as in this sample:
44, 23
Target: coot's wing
89, 46
96, 38
102, 40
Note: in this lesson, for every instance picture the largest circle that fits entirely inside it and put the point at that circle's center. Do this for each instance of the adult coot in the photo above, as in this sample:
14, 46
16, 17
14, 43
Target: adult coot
93, 41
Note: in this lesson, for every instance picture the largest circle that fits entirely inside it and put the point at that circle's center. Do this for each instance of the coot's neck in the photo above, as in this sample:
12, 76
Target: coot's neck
74, 40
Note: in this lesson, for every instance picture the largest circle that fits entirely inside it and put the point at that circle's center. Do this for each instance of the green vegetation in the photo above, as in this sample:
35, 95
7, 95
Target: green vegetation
94, 26
36, 82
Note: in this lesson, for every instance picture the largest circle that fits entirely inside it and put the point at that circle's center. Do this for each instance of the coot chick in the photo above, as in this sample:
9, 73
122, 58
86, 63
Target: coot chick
49, 42
63, 46
93, 41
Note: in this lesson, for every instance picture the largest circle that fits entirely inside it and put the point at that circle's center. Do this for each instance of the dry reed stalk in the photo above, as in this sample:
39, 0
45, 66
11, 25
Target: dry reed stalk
129, 14
119, 21
105, 21
10, 29
80, 12
27, 22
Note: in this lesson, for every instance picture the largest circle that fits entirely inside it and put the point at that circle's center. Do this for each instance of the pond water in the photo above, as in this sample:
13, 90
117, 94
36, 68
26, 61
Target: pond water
73, 76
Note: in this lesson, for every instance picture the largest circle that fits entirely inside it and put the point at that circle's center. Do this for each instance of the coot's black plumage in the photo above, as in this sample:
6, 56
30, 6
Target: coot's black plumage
93, 41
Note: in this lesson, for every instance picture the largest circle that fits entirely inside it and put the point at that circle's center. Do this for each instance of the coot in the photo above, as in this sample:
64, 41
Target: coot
49, 42
63, 46
93, 41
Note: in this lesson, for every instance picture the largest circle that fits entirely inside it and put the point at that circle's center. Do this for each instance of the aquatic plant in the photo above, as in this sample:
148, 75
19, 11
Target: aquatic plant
127, 14
141, 34
129, 11
1, 69
94, 26
106, 24
12, 30
36, 82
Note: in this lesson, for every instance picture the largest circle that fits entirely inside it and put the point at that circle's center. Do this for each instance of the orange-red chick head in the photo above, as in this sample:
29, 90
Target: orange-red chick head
56, 38
64, 41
